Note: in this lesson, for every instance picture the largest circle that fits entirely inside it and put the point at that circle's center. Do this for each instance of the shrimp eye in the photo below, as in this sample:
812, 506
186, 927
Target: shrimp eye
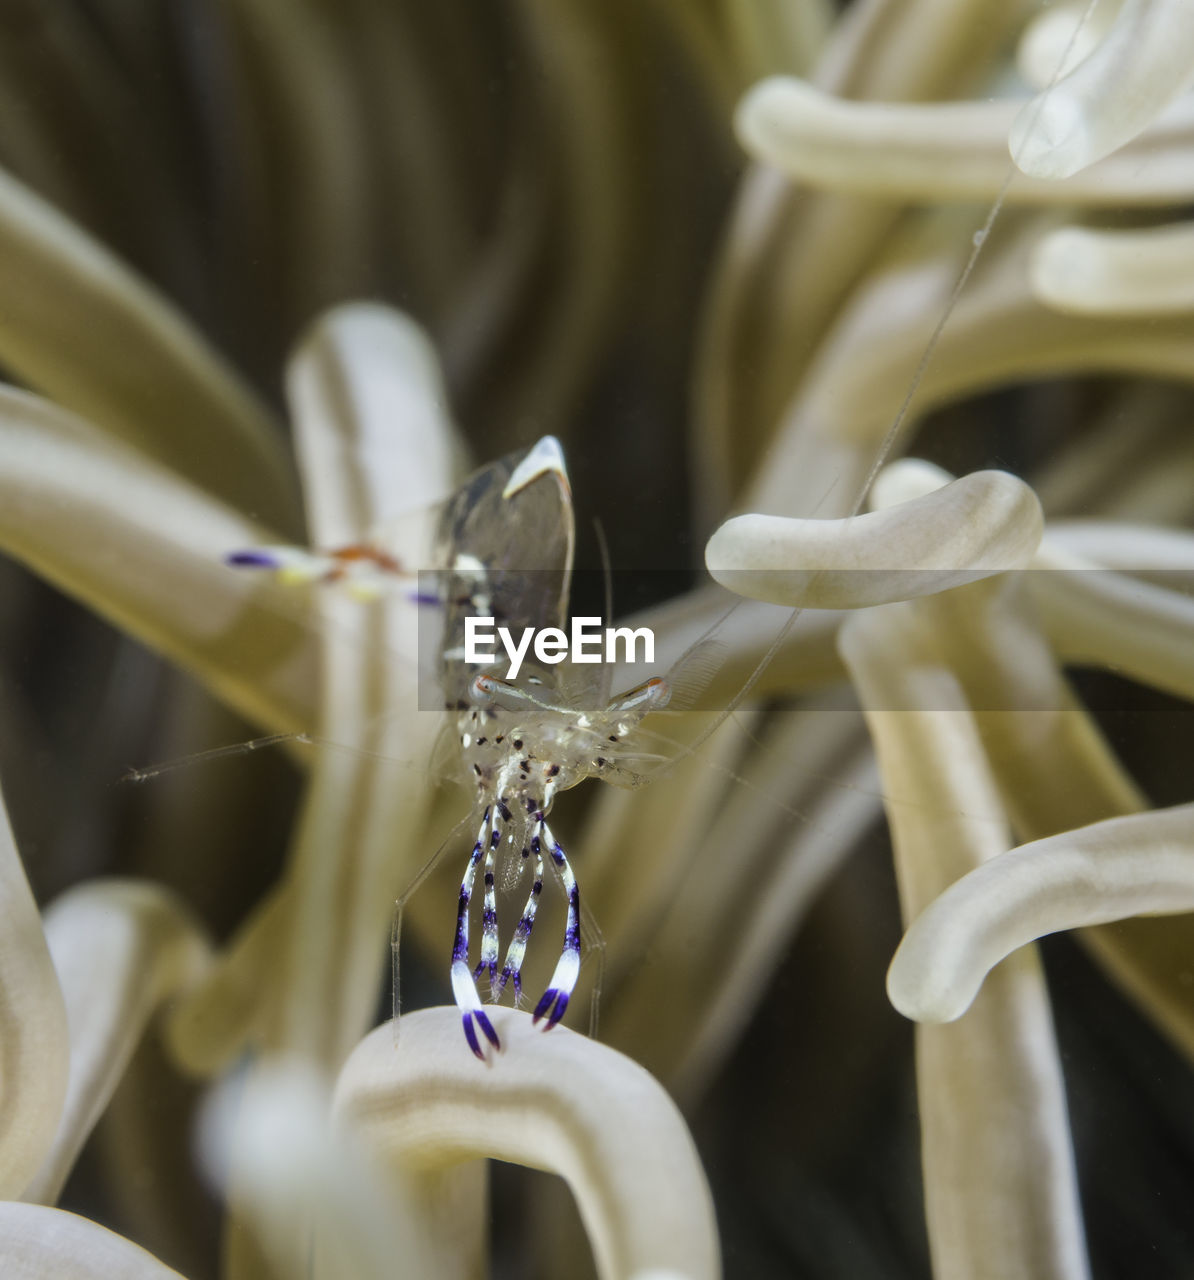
483, 689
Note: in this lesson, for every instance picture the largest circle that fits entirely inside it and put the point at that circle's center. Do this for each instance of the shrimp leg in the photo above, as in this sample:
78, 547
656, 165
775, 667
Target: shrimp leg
464, 987
512, 968
555, 999
489, 918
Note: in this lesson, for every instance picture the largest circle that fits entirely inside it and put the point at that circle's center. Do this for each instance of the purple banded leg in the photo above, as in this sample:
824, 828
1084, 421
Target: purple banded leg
464, 988
515, 952
555, 999
489, 919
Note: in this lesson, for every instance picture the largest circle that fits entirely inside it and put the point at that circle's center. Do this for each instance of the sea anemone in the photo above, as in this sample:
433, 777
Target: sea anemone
281, 274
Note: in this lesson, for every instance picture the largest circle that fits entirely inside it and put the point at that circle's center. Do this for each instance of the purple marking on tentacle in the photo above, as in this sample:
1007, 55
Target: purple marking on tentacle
423, 598
252, 560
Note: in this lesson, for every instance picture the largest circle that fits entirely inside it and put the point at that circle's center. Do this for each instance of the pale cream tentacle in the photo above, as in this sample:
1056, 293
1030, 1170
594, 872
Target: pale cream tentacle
558, 1102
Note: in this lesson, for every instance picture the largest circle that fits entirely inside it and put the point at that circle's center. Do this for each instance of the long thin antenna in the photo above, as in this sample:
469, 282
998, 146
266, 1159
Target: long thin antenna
918, 374
979, 243
145, 772
886, 445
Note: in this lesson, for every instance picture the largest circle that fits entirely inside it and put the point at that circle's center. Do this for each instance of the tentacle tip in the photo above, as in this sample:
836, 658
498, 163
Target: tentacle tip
251, 560
425, 599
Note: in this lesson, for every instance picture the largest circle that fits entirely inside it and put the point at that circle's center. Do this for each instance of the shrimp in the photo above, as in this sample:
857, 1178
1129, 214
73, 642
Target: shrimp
507, 540
505, 546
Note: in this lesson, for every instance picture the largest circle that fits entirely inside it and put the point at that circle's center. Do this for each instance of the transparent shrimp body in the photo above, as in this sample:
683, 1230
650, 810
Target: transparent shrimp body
507, 539
522, 751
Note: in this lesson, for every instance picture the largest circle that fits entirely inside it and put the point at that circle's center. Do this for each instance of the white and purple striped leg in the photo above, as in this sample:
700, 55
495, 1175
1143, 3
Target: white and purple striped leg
515, 952
464, 987
489, 918
555, 999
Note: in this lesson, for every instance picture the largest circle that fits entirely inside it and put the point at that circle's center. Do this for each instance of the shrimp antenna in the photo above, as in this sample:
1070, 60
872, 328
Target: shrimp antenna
144, 773
978, 244
400, 906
